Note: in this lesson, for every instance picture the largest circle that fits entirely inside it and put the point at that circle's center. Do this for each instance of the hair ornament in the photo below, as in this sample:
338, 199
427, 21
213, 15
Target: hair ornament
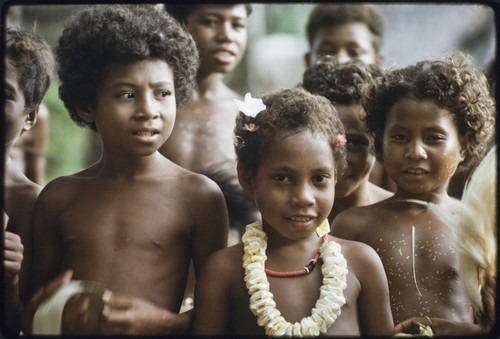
339, 140
251, 106
251, 127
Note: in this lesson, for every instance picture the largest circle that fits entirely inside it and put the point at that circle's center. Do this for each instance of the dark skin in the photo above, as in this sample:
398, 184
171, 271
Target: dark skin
295, 178
202, 140
20, 195
149, 216
421, 151
354, 188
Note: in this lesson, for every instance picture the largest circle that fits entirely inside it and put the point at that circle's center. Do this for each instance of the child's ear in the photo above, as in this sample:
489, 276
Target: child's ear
30, 120
85, 114
245, 179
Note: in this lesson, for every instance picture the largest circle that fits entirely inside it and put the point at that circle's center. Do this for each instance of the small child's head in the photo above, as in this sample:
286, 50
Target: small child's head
28, 65
287, 111
453, 84
219, 30
289, 156
346, 31
109, 35
342, 84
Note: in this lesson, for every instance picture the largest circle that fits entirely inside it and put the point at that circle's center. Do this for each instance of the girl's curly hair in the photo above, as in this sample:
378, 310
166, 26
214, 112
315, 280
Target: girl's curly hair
341, 83
100, 36
453, 83
293, 110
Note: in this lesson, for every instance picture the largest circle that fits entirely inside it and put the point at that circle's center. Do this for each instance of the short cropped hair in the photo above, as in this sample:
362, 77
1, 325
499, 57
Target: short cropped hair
34, 61
341, 83
453, 83
293, 110
101, 36
327, 15
181, 11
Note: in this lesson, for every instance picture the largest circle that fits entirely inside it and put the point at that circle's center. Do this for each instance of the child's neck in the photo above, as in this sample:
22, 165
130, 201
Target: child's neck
437, 197
129, 168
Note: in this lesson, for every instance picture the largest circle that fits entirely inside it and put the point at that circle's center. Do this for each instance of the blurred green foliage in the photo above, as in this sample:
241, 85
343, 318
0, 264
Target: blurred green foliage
69, 143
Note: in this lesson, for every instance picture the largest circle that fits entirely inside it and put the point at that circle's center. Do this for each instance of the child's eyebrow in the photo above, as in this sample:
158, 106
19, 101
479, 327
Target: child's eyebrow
133, 84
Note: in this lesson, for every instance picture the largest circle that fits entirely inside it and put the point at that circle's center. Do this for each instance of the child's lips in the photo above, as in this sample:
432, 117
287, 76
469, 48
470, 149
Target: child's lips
415, 171
146, 134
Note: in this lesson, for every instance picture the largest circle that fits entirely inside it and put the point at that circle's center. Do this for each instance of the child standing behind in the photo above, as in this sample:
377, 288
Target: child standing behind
290, 149
342, 84
202, 140
428, 120
28, 64
133, 220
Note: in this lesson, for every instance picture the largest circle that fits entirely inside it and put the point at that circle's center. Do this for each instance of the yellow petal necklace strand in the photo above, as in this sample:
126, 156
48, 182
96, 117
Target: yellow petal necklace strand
262, 304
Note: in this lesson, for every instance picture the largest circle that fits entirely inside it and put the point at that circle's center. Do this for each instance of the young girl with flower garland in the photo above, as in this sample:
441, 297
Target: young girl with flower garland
291, 149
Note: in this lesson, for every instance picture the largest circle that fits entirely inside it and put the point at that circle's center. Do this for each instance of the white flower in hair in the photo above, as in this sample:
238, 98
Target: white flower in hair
251, 107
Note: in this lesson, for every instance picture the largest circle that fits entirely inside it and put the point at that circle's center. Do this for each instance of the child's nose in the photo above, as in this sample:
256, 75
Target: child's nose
416, 150
226, 31
147, 109
303, 195
342, 56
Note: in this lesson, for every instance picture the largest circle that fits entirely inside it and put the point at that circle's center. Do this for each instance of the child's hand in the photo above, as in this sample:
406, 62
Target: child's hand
13, 257
125, 314
440, 327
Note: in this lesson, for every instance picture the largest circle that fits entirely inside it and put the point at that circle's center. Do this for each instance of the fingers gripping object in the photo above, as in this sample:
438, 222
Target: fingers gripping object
48, 316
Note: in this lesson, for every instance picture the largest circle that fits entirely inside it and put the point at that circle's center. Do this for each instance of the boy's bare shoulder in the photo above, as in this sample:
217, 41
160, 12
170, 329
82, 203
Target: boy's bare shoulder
360, 256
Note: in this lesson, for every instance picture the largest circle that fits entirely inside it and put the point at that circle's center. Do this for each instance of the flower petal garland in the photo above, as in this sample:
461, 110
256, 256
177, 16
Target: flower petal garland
262, 304
251, 107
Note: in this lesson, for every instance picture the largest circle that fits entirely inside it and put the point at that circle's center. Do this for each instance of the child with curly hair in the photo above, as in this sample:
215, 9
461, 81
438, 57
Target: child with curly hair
342, 84
134, 220
291, 148
428, 119
202, 140
28, 65
476, 227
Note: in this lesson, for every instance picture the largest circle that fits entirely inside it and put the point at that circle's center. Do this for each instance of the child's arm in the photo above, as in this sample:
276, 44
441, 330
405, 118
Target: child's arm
373, 302
46, 246
211, 312
211, 223
346, 225
13, 257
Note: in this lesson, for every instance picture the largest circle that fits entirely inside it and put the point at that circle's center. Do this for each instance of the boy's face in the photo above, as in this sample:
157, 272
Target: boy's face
220, 33
17, 118
348, 41
360, 158
294, 186
135, 110
421, 146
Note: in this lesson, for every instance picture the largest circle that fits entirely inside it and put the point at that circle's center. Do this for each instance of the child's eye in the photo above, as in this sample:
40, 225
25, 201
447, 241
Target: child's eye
239, 25
435, 137
356, 143
126, 95
281, 177
321, 179
163, 93
210, 22
399, 137
8, 96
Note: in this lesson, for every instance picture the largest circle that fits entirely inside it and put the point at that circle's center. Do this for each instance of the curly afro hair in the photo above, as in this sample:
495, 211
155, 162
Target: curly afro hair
33, 60
104, 35
293, 110
453, 83
341, 83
